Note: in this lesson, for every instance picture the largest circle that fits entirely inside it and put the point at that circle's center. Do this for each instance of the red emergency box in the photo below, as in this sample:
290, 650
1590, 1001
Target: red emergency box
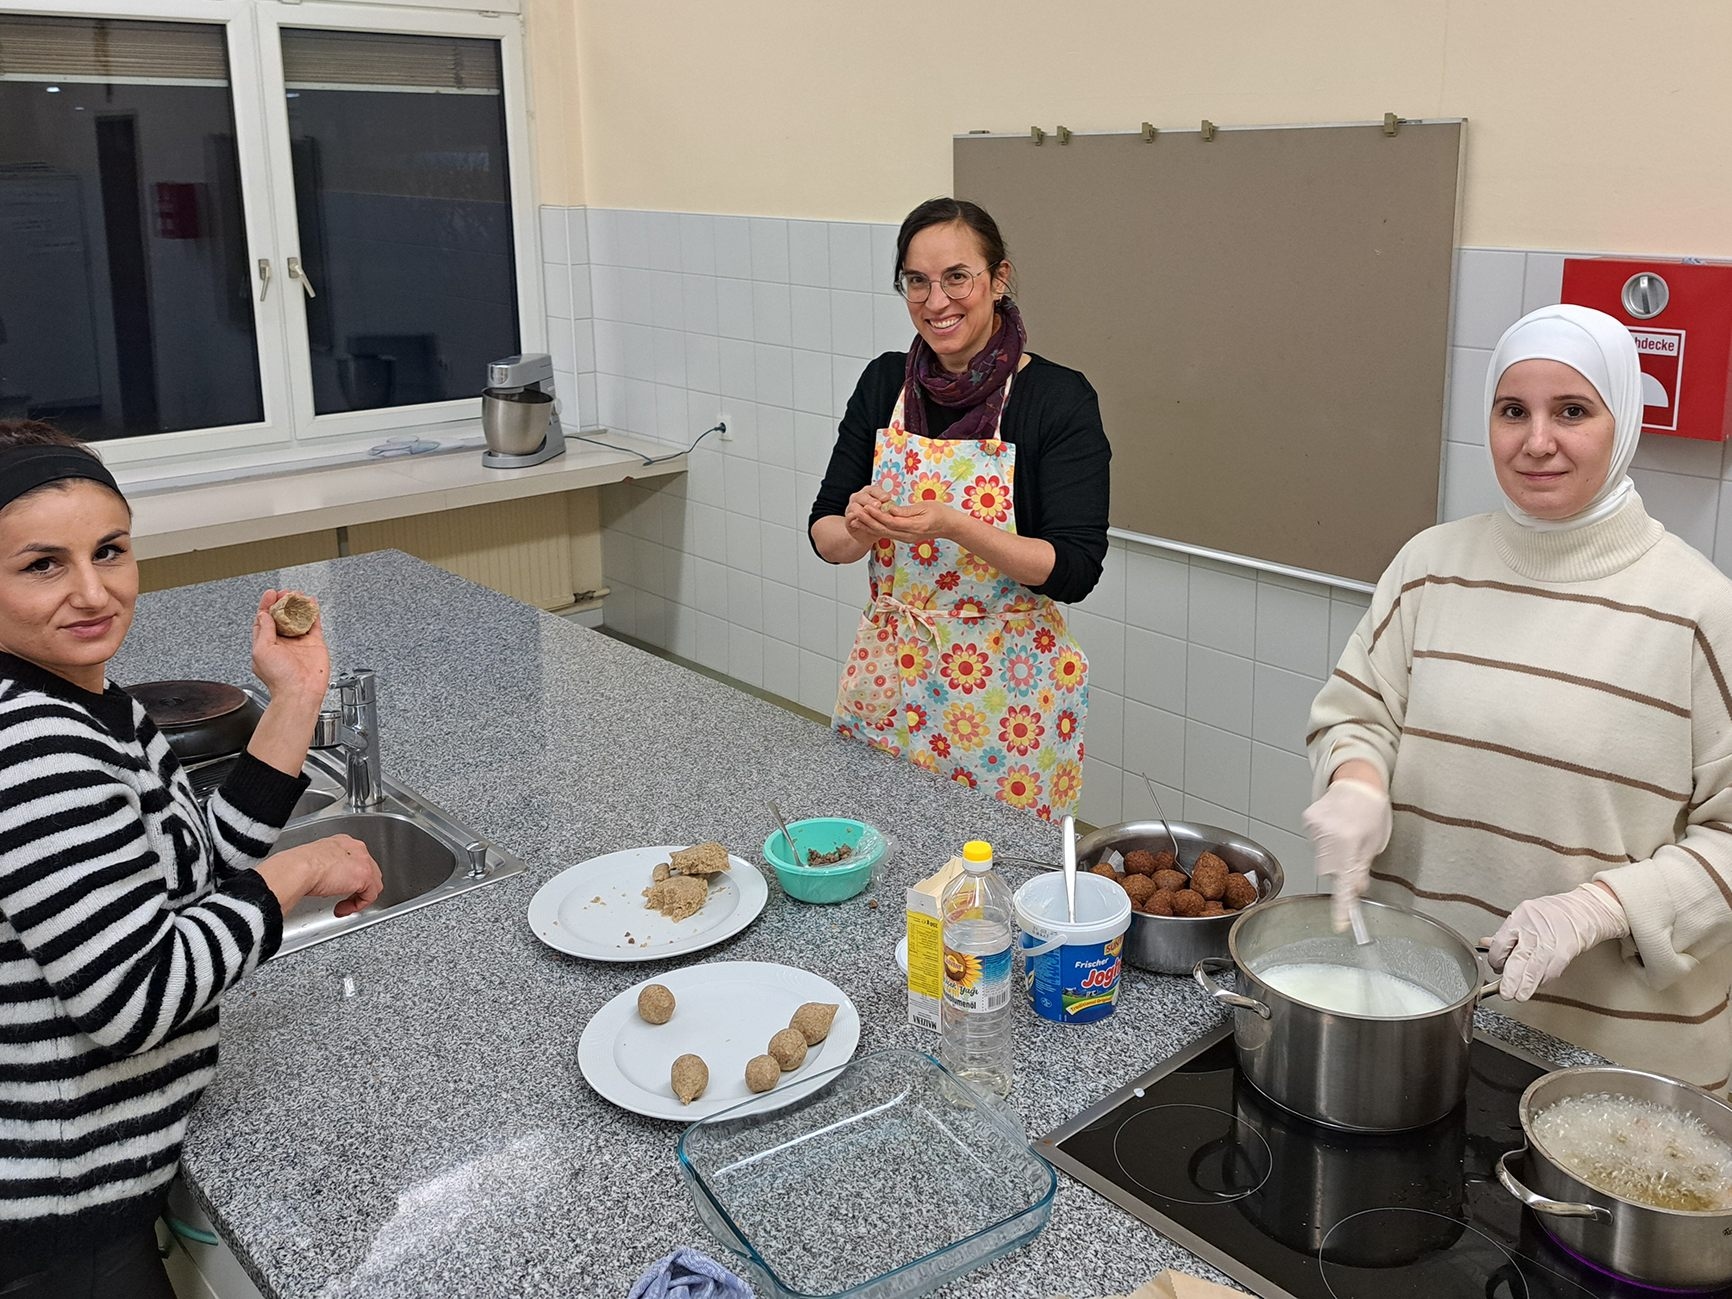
1680, 314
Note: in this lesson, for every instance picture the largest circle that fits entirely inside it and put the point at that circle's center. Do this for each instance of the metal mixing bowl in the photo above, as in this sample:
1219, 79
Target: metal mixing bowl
515, 421
1174, 944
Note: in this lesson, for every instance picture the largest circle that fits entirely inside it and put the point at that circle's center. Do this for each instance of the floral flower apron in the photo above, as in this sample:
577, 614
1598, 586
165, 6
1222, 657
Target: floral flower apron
957, 667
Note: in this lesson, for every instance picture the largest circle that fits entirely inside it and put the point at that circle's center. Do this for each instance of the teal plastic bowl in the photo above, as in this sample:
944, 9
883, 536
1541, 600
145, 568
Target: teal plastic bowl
836, 883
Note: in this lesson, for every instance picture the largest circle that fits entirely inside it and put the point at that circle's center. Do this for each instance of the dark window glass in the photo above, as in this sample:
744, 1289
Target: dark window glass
403, 195
125, 286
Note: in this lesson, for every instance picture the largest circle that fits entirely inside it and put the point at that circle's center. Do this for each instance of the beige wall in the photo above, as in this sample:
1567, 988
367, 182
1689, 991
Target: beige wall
814, 108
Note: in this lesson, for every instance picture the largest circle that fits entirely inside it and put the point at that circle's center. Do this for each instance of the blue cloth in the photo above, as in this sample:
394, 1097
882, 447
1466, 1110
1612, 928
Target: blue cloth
689, 1274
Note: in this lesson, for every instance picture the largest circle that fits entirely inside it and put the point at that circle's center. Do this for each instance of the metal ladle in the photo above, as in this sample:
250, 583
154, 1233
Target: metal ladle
1162, 817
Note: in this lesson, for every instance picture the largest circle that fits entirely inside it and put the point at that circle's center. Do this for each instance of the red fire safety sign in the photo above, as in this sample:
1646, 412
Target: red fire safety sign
1680, 315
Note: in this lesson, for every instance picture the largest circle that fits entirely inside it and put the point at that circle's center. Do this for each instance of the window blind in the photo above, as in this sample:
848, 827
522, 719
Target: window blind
111, 50
316, 59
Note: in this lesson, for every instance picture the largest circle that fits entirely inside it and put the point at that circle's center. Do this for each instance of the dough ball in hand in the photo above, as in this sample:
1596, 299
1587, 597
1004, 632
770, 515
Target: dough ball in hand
789, 1048
655, 1004
689, 1076
762, 1073
813, 1020
294, 614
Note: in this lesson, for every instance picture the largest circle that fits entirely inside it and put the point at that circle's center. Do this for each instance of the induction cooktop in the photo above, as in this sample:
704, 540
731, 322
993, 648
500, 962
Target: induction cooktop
1293, 1210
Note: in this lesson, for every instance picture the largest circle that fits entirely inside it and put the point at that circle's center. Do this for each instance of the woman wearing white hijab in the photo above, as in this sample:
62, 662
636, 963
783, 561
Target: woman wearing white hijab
1531, 730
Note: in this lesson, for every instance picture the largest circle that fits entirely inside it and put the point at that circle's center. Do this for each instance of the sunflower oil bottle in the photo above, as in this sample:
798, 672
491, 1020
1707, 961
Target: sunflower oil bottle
979, 1036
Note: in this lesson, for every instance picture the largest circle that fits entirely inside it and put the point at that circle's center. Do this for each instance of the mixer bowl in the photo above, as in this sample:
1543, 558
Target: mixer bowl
515, 421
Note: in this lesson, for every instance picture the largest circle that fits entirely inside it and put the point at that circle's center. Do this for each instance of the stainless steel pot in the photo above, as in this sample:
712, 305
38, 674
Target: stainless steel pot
515, 421
1674, 1248
1174, 944
1363, 1073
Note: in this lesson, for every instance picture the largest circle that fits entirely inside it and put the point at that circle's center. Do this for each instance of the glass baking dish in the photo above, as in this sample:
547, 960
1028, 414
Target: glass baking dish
889, 1179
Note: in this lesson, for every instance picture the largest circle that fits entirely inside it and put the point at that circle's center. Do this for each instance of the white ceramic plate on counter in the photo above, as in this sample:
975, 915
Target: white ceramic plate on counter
726, 1012
596, 909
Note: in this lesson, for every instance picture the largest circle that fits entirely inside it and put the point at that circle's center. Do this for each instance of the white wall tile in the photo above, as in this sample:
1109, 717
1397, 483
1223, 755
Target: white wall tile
739, 370
1543, 281
697, 243
555, 247
775, 375
632, 230
1722, 552
1465, 419
1203, 812
770, 249
746, 655
712, 587
1154, 743
556, 285
1107, 600
1280, 787
1281, 707
781, 669
780, 564
1488, 295
562, 344
1138, 805
1104, 728
1689, 507
1223, 610
851, 324
844, 375
883, 255
638, 293
1346, 611
662, 235
669, 346
640, 362
745, 551
1292, 629
652, 618
1679, 455
1155, 669
745, 599
734, 309
740, 479
818, 678
1218, 688
782, 615
812, 389
814, 438
582, 301
810, 311
1157, 591
809, 253
1293, 851
892, 331
851, 256
1102, 799
603, 241
1103, 642
817, 624
703, 363
619, 611
673, 424
1469, 485
712, 642
607, 293
770, 313
698, 298
776, 440
667, 300
776, 502
683, 631
577, 235
733, 236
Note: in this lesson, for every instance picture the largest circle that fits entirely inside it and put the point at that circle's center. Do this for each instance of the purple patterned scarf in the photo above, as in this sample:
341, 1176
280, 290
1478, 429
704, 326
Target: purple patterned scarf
979, 389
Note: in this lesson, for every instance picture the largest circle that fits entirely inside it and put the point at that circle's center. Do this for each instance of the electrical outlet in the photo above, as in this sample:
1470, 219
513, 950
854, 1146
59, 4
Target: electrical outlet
727, 422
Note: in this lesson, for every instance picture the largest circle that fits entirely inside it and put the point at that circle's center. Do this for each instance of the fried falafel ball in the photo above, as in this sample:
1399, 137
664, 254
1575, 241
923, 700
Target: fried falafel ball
1240, 893
1165, 861
1140, 861
1211, 857
1157, 904
1214, 909
1171, 881
1209, 877
1188, 902
1104, 871
1140, 887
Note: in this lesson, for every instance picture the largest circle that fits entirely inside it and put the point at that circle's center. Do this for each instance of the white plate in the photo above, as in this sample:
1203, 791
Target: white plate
596, 908
726, 1012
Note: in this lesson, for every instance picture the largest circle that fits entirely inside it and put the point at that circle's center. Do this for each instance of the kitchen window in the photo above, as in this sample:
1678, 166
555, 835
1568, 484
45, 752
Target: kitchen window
242, 226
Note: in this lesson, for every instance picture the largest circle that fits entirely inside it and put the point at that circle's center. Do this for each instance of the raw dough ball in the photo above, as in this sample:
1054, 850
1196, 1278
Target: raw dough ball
1209, 877
1140, 887
789, 1048
1157, 904
1105, 871
1188, 902
762, 1073
690, 1075
678, 896
1171, 881
660, 873
655, 1004
1140, 861
1240, 893
813, 1020
700, 859
294, 613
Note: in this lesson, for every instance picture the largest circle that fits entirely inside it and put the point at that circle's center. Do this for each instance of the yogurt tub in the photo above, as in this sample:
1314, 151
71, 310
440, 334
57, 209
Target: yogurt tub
1071, 969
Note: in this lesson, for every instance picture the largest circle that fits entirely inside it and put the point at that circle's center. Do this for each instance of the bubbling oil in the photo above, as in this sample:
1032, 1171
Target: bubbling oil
1639, 1150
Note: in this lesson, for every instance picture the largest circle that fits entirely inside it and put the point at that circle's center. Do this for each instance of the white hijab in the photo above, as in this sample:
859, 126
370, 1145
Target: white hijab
1601, 350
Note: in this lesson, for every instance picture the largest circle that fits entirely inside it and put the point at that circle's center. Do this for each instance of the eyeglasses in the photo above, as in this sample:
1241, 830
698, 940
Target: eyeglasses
956, 283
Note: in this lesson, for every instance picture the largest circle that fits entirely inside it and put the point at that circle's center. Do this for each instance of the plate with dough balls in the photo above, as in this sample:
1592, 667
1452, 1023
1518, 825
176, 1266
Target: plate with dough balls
648, 904
693, 1041
1181, 910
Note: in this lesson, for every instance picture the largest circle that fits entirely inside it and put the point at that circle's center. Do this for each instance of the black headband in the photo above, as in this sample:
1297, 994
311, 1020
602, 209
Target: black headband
24, 469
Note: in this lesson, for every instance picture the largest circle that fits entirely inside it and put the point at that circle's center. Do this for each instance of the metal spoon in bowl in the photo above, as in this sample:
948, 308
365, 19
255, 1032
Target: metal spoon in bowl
1162, 816
1069, 832
793, 852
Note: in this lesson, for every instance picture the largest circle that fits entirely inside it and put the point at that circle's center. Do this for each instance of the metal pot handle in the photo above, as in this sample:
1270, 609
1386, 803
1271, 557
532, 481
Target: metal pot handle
1201, 971
1486, 989
1539, 1203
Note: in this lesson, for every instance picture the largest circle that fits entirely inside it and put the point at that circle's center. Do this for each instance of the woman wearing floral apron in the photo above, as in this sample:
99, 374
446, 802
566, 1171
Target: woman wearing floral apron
973, 477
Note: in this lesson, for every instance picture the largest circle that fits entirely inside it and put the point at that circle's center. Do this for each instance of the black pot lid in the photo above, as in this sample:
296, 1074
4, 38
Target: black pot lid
188, 703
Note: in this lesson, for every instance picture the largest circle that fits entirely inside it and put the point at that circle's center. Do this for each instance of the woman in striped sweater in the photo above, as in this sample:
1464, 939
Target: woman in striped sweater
1530, 733
125, 909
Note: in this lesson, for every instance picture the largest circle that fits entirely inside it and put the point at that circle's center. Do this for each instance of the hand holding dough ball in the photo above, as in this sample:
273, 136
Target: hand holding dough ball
789, 1048
655, 1004
813, 1021
294, 614
689, 1076
762, 1073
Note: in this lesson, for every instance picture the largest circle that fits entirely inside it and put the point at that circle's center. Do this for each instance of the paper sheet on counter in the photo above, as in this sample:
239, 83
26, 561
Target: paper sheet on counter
1177, 1285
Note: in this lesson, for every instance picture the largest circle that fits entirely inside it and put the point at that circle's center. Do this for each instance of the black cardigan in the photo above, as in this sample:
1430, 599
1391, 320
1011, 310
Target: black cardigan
1062, 461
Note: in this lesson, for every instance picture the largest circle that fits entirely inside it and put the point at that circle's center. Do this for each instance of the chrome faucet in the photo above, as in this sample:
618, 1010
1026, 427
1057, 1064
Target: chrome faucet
354, 728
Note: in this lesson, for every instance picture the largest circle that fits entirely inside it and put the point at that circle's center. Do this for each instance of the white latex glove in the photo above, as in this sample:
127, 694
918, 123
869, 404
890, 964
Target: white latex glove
1543, 935
1348, 826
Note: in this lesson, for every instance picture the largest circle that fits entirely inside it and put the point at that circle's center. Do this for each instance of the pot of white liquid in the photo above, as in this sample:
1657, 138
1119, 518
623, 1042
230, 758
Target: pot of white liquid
1370, 1039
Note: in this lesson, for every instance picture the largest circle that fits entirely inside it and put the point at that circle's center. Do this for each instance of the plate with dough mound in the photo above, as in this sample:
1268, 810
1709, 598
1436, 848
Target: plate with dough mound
725, 1013
600, 909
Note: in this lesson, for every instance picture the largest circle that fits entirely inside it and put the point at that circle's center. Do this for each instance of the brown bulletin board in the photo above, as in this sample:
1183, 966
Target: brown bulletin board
1265, 316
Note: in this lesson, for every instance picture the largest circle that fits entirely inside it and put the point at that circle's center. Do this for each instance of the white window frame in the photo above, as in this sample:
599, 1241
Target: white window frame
289, 431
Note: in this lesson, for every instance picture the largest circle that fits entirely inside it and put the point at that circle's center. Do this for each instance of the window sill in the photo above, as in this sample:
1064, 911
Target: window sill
178, 516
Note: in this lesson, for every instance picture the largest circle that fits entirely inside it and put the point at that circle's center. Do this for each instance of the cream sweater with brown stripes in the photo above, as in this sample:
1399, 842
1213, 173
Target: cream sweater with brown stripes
1550, 708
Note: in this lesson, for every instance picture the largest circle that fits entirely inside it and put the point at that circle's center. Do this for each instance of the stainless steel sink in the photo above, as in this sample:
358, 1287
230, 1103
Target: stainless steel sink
424, 855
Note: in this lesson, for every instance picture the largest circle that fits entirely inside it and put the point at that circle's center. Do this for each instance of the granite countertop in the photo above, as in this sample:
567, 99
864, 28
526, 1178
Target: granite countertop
431, 1134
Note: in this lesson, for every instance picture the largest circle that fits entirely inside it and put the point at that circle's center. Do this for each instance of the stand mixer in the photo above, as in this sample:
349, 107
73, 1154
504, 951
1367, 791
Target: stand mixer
519, 415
